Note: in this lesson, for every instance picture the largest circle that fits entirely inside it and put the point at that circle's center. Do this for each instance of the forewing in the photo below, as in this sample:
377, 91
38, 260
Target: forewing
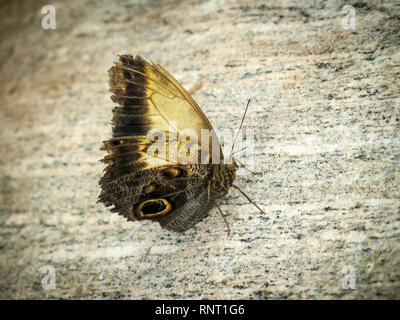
149, 98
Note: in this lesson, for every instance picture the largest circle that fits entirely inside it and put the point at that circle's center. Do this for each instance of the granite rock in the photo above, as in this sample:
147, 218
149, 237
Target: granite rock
325, 117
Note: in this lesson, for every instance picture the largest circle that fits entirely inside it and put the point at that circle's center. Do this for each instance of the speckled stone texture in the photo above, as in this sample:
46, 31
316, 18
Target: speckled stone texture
325, 115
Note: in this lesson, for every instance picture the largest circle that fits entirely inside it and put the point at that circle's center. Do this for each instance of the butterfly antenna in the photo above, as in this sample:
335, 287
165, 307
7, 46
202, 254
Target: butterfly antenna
241, 124
239, 150
248, 198
226, 221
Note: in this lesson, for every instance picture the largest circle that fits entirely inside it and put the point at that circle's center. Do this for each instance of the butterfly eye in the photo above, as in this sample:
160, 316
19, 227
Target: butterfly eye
116, 142
154, 207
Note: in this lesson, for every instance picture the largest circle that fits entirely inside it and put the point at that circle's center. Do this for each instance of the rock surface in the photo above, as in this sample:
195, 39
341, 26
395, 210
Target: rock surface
325, 116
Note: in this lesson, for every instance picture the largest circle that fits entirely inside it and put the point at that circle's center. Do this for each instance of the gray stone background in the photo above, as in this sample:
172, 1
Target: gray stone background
325, 115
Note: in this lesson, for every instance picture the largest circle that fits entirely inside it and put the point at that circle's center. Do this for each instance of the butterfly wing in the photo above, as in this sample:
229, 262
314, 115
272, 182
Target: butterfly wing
140, 184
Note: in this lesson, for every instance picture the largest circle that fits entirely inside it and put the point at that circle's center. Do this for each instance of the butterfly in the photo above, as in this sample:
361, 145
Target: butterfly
172, 184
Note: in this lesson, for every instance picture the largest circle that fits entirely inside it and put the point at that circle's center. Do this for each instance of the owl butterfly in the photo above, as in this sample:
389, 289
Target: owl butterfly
143, 182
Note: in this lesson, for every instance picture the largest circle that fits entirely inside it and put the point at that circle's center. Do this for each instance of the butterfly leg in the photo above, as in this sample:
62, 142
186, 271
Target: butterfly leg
248, 198
226, 221
146, 253
242, 166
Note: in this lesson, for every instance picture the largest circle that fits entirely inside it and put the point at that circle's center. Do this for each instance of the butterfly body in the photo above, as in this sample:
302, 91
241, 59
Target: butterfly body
177, 194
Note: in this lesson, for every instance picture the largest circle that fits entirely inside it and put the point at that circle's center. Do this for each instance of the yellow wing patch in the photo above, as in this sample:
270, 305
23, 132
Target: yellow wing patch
151, 100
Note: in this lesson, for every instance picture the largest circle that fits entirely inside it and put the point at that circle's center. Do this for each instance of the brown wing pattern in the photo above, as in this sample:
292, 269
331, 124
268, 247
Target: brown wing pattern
138, 187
